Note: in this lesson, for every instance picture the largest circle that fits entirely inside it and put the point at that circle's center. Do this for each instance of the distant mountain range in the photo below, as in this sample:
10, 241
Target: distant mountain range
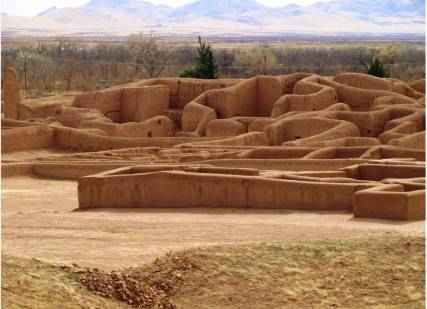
224, 17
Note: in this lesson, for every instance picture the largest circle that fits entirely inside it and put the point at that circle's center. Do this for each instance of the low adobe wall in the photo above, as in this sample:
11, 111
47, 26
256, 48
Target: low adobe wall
357, 98
185, 90
276, 153
127, 104
396, 152
40, 136
377, 172
337, 153
389, 202
59, 170
419, 85
11, 94
73, 170
248, 139
140, 104
189, 190
66, 138
345, 142
27, 111
238, 100
308, 95
298, 131
413, 141
287, 164
16, 169
364, 81
159, 126
269, 90
252, 97
26, 138
108, 102
12, 123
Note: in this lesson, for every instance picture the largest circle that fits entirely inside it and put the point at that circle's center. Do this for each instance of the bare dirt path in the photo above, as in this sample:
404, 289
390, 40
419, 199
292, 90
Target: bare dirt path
39, 221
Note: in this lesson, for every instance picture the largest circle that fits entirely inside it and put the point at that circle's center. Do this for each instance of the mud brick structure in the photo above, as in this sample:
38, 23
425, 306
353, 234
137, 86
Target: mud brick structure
11, 94
302, 141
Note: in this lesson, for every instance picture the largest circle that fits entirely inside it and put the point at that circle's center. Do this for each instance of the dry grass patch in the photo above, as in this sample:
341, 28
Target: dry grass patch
31, 284
378, 272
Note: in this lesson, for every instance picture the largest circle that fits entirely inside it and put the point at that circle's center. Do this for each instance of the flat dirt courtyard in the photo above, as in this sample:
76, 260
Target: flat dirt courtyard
40, 220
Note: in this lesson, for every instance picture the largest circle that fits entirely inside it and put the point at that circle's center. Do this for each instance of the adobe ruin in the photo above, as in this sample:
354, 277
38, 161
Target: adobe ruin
351, 142
11, 94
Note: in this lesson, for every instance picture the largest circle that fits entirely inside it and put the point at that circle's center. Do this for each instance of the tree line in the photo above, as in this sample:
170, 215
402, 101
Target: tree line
65, 66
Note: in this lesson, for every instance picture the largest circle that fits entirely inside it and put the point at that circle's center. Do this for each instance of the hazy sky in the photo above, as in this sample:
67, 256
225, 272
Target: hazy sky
33, 7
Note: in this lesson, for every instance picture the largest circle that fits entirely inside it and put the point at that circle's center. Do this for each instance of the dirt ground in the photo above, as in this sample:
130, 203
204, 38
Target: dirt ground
376, 273
40, 220
370, 272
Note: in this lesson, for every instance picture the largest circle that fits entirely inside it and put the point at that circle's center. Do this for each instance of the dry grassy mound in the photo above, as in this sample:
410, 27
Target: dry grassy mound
367, 273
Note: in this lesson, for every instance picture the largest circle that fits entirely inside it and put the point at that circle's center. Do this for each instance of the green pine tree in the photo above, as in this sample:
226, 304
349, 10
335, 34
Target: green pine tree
376, 68
205, 67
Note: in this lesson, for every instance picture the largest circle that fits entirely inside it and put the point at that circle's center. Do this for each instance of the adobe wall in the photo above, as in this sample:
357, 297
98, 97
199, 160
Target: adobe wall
247, 139
337, 153
401, 115
26, 138
108, 102
185, 90
364, 81
67, 138
386, 101
276, 153
72, 170
11, 94
398, 152
289, 81
378, 172
16, 169
196, 117
12, 123
140, 104
389, 202
189, 190
287, 164
188, 90
419, 85
357, 98
225, 128
269, 90
345, 142
370, 124
159, 126
414, 141
298, 131
238, 100
307, 95
401, 130
27, 111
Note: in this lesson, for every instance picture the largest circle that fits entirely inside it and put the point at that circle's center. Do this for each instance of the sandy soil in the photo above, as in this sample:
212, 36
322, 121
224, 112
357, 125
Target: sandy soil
40, 220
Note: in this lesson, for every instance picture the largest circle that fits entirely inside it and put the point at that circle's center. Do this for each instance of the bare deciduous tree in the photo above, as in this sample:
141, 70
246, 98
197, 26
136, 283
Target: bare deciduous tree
149, 53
